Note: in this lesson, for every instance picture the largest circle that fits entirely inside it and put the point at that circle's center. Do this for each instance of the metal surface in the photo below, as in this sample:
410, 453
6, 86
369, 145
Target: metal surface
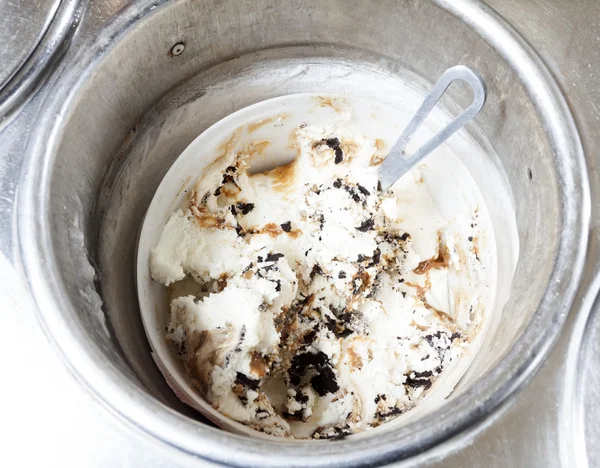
34, 35
66, 248
398, 162
23, 24
546, 424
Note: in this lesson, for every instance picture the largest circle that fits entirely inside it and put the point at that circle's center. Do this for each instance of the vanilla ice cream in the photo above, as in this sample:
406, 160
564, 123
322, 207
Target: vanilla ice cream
316, 306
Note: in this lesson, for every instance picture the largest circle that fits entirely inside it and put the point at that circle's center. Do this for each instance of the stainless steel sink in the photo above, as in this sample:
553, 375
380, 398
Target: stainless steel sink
107, 124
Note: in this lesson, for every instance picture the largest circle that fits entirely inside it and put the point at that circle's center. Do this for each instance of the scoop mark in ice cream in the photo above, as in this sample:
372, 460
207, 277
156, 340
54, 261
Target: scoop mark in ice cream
313, 284
282, 176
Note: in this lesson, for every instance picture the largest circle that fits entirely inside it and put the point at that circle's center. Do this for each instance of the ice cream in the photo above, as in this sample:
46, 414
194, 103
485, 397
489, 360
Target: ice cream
316, 306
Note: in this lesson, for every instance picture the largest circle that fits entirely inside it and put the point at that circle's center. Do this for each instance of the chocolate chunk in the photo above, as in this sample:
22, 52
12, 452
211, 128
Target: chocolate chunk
420, 375
455, 336
404, 237
363, 190
301, 397
337, 312
331, 326
287, 227
278, 286
301, 363
267, 268
334, 433
233, 210
361, 257
245, 208
470, 238
429, 338
341, 327
231, 169
273, 257
247, 381
337, 183
341, 274
218, 192
392, 412
228, 179
309, 337
324, 382
339, 155
333, 143
416, 383
345, 317
238, 230
376, 258
316, 270
353, 194
366, 225
261, 414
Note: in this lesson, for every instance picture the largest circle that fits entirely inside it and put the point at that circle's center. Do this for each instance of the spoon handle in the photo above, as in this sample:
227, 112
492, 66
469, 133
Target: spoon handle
397, 163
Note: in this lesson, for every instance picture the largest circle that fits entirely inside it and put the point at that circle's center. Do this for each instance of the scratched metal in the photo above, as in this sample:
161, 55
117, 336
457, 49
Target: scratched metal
34, 37
22, 25
547, 425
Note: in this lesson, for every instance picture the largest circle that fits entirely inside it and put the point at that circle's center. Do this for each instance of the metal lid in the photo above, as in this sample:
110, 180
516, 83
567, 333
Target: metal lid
32, 33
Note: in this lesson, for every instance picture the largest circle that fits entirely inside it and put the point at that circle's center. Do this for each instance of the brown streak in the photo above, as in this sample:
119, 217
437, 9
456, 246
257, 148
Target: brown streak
379, 154
421, 293
420, 327
257, 365
256, 125
355, 360
439, 261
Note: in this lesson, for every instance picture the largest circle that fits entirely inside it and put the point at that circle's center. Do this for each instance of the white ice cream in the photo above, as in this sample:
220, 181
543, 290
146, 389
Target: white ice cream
322, 307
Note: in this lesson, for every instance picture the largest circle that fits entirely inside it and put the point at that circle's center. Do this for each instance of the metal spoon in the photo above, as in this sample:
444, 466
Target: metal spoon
397, 163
